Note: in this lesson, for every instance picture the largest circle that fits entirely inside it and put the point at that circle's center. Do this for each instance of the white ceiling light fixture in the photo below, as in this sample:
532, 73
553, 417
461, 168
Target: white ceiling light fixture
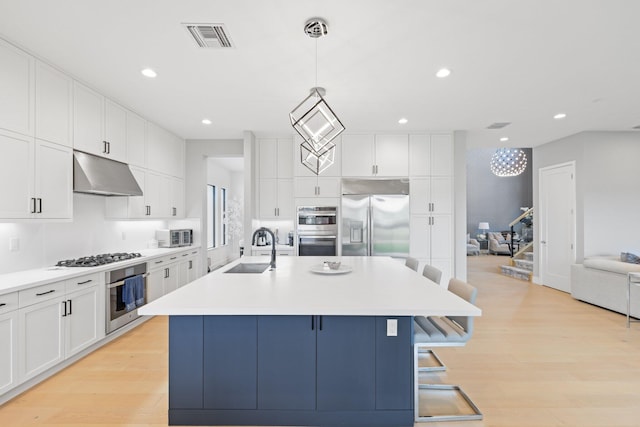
206, 121
313, 119
508, 162
504, 139
560, 116
443, 72
403, 121
149, 72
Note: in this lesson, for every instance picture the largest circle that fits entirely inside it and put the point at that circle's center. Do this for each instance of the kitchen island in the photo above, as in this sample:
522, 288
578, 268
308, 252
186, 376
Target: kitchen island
296, 347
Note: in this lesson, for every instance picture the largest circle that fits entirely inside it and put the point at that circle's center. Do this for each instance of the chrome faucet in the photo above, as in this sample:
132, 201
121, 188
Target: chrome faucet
273, 245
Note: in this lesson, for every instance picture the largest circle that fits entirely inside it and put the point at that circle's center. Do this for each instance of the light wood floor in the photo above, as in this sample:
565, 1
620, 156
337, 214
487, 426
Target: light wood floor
537, 358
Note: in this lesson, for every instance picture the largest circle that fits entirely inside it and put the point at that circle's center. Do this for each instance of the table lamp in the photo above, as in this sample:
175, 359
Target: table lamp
483, 227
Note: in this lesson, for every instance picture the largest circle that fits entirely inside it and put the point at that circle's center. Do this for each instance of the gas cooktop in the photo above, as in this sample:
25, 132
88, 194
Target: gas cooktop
96, 260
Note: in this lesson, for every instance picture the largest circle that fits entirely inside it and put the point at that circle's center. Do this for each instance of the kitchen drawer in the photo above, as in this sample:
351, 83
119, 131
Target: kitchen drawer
8, 302
40, 293
83, 282
163, 261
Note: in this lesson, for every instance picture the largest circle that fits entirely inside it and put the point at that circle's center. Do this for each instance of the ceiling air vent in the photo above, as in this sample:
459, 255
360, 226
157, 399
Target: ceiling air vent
209, 35
498, 125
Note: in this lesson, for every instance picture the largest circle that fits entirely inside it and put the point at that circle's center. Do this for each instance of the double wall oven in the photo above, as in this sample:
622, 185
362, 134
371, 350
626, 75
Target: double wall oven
317, 230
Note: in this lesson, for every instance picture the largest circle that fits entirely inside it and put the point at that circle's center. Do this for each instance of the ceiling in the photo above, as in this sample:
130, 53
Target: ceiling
512, 61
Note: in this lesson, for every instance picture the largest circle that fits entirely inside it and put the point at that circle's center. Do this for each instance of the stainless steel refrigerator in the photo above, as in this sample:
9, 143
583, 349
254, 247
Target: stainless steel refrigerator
375, 217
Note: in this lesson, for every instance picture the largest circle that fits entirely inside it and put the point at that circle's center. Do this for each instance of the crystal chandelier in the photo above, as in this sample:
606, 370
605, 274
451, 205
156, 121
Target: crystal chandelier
313, 119
508, 162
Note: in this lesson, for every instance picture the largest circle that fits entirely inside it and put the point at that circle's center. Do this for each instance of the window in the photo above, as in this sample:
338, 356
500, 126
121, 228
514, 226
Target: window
211, 216
223, 215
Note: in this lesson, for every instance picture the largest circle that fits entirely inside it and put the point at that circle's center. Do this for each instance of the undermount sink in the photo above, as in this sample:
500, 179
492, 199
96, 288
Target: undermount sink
257, 268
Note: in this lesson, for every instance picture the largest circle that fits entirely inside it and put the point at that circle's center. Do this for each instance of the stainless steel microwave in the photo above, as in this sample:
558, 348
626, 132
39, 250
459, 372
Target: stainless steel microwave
174, 238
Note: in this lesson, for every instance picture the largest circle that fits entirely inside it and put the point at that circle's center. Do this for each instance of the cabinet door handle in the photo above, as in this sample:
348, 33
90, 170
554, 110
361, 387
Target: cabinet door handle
2, 304
45, 293
70, 306
104, 147
148, 209
108, 148
313, 323
185, 254
373, 169
174, 257
175, 211
190, 264
64, 311
33, 205
166, 272
320, 325
86, 281
159, 262
39, 205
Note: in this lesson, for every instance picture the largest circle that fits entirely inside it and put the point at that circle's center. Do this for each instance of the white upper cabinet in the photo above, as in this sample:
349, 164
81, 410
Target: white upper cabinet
276, 199
432, 195
54, 105
16, 89
115, 131
317, 187
301, 170
392, 155
35, 179
53, 181
430, 155
88, 120
164, 151
357, 155
16, 175
275, 158
375, 155
136, 140
176, 198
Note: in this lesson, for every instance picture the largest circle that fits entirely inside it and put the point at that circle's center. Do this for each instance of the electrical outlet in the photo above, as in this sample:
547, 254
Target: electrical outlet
392, 327
14, 244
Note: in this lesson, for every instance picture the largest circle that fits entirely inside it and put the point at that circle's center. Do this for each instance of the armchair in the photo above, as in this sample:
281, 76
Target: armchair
498, 245
473, 246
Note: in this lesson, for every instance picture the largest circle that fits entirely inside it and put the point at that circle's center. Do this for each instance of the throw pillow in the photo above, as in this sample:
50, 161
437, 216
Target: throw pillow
629, 257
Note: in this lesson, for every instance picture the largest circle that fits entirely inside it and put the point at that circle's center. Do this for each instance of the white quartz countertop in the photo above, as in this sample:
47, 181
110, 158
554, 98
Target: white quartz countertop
376, 286
18, 280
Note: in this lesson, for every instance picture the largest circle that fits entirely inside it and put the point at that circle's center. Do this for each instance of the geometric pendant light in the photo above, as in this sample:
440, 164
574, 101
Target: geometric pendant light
313, 118
508, 162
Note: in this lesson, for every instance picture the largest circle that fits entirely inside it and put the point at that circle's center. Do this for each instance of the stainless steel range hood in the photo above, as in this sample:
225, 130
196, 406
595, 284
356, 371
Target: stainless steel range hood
105, 177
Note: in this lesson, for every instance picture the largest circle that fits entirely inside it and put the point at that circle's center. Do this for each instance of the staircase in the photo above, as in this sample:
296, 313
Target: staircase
522, 261
521, 268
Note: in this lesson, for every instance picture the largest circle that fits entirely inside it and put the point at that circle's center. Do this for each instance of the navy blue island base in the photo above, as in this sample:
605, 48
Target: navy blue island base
290, 370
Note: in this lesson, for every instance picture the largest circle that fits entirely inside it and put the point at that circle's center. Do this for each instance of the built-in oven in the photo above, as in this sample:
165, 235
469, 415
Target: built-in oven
317, 230
126, 292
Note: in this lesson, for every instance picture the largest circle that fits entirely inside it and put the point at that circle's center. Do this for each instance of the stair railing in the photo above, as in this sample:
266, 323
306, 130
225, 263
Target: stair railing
526, 224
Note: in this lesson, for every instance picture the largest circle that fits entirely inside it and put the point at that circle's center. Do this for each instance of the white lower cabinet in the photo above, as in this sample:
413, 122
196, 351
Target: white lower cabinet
431, 242
55, 324
84, 325
41, 337
8, 349
187, 268
163, 276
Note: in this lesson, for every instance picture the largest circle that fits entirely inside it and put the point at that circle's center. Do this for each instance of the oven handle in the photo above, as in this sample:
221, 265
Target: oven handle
309, 236
121, 282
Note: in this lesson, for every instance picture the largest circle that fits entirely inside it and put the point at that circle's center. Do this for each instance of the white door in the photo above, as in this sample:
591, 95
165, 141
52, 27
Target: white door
557, 225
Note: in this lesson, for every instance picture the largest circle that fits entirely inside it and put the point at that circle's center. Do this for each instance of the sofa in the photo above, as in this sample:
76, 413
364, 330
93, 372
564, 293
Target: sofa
498, 244
473, 246
602, 281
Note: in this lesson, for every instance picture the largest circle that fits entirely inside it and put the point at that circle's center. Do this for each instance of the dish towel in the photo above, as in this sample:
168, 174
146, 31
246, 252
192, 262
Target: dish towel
133, 292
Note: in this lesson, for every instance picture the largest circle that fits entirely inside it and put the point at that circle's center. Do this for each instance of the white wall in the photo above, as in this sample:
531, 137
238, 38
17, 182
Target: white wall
221, 177
43, 244
607, 189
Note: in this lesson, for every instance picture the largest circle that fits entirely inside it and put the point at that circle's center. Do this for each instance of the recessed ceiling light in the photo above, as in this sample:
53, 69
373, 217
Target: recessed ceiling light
206, 121
443, 72
504, 139
403, 121
560, 116
148, 72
